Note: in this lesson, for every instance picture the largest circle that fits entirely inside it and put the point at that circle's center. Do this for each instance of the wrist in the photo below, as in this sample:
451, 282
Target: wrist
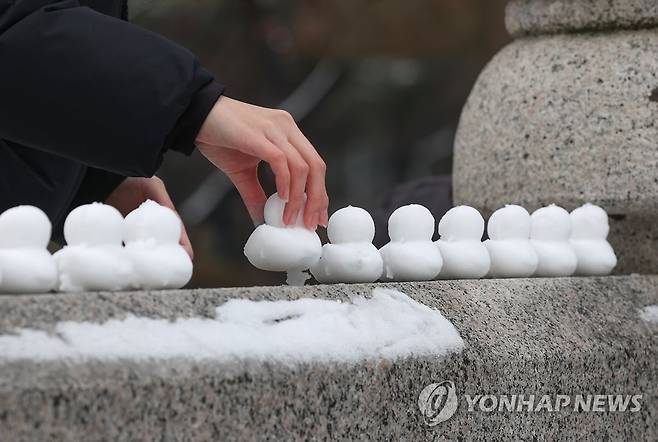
183, 136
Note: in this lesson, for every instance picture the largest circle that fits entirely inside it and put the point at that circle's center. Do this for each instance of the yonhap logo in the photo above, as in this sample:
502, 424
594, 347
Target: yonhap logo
438, 402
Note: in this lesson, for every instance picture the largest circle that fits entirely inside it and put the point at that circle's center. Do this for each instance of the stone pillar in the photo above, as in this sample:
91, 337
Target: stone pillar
568, 113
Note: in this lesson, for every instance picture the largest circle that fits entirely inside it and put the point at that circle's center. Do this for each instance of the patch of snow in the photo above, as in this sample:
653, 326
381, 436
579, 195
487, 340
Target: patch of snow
26, 266
350, 257
389, 325
590, 228
650, 313
411, 255
276, 247
510, 250
464, 254
549, 235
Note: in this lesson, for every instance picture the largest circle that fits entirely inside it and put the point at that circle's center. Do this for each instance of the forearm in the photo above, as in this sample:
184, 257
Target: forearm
98, 90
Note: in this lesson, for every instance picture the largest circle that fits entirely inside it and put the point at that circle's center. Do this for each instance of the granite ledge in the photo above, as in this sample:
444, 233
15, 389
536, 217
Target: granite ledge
530, 336
535, 17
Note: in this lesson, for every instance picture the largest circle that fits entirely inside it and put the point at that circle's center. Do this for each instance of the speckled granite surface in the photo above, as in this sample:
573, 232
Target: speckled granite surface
552, 16
569, 119
526, 336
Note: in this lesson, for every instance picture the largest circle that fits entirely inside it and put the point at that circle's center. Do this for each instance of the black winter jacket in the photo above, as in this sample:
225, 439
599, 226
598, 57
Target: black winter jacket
86, 99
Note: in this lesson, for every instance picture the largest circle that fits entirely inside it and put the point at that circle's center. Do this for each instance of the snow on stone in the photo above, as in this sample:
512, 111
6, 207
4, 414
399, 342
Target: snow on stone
93, 258
464, 254
151, 234
388, 325
350, 256
275, 247
26, 266
590, 228
411, 255
512, 254
650, 313
549, 235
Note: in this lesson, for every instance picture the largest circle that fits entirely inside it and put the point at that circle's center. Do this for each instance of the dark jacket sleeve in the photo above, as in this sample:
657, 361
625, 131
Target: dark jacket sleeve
95, 89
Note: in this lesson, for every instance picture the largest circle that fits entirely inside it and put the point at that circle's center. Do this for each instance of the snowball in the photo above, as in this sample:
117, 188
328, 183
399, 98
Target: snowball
509, 222
158, 266
24, 226
555, 258
551, 223
277, 249
151, 221
348, 263
27, 270
351, 257
411, 261
93, 268
465, 259
93, 224
461, 223
411, 223
596, 257
351, 224
512, 258
551, 228
274, 207
589, 230
589, 221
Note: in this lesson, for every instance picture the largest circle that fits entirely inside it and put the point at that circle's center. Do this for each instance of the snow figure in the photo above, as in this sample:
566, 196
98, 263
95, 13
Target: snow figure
411, 255
350, 257
276, 247
26, 264
549, 235
510, 250
152, 237
464, 255
94, 258
589, 232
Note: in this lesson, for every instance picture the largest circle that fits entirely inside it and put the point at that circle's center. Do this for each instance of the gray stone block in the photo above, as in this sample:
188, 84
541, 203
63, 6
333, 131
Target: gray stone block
533, 17
525, 336
569, 119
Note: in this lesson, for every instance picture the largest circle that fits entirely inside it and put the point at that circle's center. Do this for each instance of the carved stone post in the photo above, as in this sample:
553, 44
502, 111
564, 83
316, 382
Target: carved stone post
568, 113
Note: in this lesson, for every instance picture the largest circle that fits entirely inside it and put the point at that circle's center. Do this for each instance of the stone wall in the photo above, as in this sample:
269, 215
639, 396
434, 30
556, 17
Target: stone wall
541, 336
534, 17
568, 114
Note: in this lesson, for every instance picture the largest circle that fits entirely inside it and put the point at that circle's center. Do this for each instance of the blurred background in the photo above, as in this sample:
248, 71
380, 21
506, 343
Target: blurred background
376, 85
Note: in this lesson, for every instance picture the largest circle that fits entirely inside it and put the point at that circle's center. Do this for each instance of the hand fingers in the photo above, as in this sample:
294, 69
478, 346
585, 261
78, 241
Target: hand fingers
272, 155
298, 175
298, 172
318, 201
251, 192
158, 193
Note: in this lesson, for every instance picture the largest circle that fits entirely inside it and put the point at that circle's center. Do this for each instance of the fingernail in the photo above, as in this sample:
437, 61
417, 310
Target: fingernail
315, 220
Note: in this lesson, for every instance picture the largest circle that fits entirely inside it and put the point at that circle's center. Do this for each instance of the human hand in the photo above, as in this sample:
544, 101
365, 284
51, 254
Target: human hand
134, 191
237, 136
